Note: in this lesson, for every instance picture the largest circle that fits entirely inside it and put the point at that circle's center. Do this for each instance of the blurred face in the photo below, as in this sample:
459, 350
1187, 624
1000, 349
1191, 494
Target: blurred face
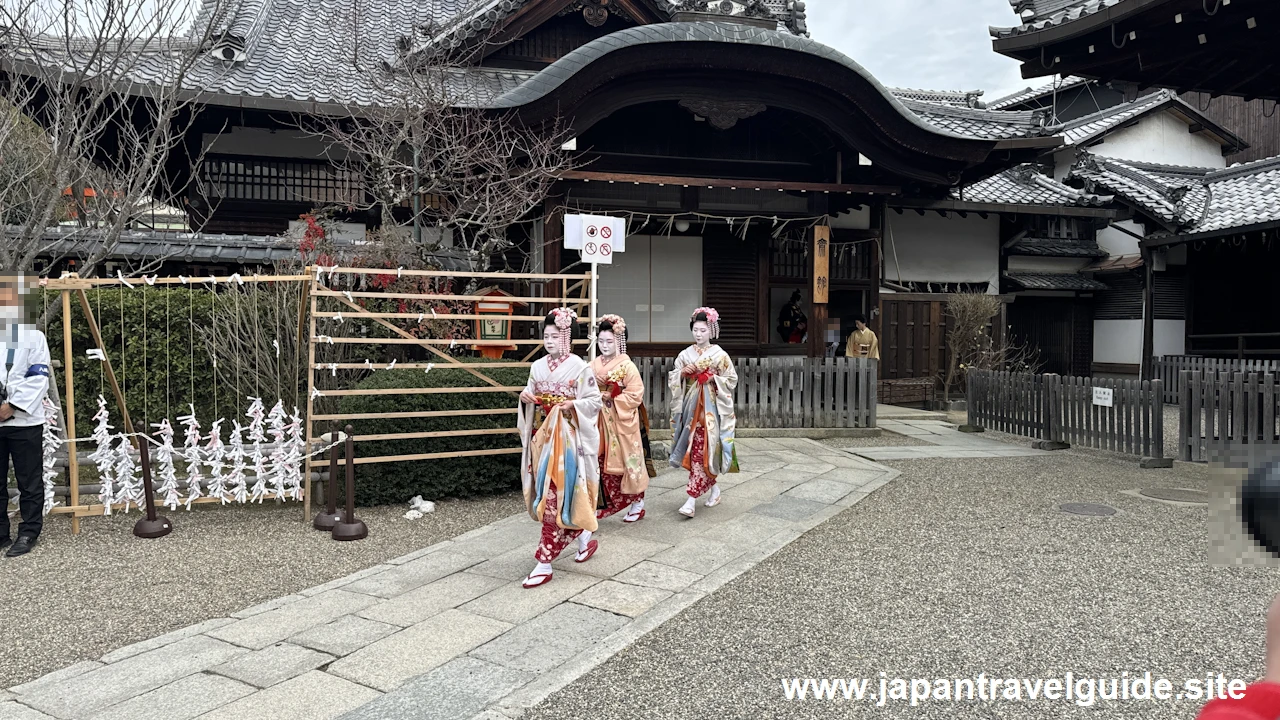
608, 343
10, 301
551, 340
701, 333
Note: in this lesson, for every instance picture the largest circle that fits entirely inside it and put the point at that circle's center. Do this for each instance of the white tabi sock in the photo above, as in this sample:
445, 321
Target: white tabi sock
636, 507
715, 495
541, 569
583, 541
689, 503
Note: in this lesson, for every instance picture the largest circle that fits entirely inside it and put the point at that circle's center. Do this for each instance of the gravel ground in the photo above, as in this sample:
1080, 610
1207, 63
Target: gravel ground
955, 568
83, 596
886, 439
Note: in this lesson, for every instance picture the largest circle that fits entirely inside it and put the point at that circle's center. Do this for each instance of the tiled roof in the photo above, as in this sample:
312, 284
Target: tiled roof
1242, 196
1057, 247
1054, 281
955, 98
1087, 128
1032, 94
975, 122
1114, 263
1040, 14
1024, 185
1191, 201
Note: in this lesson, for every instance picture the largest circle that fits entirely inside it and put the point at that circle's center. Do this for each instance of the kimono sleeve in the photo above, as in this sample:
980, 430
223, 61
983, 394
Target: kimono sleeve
588, 402
632, 394
727, 375
27, 386
675, 379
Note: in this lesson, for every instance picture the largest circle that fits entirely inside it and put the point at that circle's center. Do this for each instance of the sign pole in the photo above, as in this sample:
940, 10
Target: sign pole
591, 331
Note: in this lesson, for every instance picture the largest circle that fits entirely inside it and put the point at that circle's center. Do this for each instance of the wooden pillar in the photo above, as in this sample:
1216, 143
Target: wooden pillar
1148, 314
552, 241
820, 272
878, 221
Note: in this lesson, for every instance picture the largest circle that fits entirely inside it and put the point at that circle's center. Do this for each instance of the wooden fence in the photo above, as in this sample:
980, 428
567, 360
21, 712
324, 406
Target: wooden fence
1169, 369
1058, 408
781, 392
1222, 410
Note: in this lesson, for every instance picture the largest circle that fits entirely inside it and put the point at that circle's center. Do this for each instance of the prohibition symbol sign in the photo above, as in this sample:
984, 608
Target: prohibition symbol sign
605, 249
591, 248
592, 230
606, 232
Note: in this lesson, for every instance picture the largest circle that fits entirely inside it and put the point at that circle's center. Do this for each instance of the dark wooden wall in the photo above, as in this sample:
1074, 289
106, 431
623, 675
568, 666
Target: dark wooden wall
1247, 119
1061, 329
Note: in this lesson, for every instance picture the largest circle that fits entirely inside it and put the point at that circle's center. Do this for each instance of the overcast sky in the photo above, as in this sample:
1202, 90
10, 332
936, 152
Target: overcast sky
927, 44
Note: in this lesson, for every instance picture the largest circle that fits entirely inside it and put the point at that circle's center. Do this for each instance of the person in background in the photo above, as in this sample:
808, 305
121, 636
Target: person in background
25, 383
862, 342
792, 322
1261, 700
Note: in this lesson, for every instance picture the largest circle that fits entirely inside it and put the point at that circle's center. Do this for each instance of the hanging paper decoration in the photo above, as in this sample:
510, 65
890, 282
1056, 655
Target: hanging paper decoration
165, 468
294, 458
103, 456
128, 481
237, 483
257, 417
278, 472
52, 441
215, 454
191, 453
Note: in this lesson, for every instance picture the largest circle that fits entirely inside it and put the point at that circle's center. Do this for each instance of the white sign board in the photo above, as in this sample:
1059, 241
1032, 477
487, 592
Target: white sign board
1103, 396
595, 237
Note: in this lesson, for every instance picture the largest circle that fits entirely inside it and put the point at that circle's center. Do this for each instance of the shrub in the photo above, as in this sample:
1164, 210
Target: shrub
397, 482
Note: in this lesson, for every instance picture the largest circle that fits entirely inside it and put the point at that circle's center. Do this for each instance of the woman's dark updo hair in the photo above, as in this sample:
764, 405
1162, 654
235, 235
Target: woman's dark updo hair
700, 317
608, 325
550, 321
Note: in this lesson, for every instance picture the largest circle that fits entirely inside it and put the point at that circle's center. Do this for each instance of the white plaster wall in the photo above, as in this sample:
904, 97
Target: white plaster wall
1120, 341
931, 248
655, 284
1036, 264
343, 231
1162, 138
1118, 243
264, 143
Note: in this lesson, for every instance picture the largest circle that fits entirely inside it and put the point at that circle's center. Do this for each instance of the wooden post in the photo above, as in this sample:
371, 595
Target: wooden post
820, 272
311, 384
1148, 315
106, 362
69, 413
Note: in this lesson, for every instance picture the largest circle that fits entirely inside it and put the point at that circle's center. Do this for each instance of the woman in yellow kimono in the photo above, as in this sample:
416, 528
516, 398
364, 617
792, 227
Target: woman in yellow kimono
702, 419
623, 475
559, 468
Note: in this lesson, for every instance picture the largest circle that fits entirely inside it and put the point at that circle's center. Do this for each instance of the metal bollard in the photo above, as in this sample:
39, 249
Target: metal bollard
151, 526
350, 527
327, 518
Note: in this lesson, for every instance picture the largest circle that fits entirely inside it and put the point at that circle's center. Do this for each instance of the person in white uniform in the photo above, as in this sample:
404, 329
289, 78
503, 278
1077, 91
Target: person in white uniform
25, 382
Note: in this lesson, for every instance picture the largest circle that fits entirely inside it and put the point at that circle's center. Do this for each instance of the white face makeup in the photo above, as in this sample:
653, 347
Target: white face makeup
608, 343
701, 333
551, 340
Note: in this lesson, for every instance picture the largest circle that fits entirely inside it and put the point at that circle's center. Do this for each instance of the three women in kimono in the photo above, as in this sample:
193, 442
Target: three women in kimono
702, 418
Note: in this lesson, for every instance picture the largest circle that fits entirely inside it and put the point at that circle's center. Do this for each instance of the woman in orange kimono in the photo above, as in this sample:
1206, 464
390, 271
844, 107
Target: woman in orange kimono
623, 475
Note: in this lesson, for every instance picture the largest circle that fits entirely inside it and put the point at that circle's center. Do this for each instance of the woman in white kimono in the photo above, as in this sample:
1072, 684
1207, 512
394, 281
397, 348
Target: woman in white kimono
559, 465
702, 420
623, 475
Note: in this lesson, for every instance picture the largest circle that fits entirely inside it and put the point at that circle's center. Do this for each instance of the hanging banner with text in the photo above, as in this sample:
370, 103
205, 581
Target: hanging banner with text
596, 237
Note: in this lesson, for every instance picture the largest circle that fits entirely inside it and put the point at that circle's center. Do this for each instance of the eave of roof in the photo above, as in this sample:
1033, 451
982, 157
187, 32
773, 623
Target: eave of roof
1052, 281
1088, 128
1032, 94
1079, 17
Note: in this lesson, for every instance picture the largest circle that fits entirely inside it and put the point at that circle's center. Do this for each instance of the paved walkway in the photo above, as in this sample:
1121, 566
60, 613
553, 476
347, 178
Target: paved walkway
447, 632
944, 441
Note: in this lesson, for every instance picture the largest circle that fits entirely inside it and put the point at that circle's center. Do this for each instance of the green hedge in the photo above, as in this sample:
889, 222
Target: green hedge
395, 483
164, 382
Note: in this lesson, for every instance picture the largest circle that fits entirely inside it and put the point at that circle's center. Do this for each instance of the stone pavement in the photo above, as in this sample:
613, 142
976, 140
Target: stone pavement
447, 632
944, 442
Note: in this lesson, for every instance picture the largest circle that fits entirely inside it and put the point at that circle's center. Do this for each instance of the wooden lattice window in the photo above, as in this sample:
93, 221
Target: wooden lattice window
241, 178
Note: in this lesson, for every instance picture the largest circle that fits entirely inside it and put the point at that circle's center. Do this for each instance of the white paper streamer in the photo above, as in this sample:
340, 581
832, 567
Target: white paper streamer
191, 453
95, 354
51, 442
120, 277
257, 419
164, 466
103, 456
215, 454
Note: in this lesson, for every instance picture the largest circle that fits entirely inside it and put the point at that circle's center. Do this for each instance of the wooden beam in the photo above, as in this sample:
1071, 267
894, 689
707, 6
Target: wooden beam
69, 415
1006, 208
106, 363
692, 182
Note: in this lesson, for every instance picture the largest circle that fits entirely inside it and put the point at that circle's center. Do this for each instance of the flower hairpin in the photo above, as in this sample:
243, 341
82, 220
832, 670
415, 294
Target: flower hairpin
713, 320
